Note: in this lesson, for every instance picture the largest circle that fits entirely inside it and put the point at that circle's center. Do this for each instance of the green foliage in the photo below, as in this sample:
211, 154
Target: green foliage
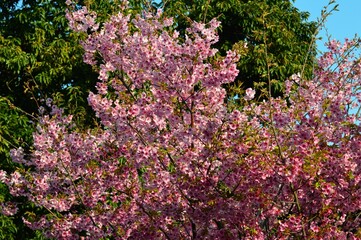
274, 26
39, 55
15, 131
7, 227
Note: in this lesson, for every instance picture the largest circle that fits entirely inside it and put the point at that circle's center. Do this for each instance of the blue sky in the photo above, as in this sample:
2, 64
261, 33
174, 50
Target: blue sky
342, 24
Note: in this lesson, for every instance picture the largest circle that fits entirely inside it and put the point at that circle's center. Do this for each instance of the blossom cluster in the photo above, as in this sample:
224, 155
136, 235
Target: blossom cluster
170, 161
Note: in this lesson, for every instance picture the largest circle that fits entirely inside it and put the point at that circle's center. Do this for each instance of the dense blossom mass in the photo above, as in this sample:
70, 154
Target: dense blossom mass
171, 161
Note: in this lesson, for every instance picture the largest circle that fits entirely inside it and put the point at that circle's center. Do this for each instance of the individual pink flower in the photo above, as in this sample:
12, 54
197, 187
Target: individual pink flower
249, 94
3, 176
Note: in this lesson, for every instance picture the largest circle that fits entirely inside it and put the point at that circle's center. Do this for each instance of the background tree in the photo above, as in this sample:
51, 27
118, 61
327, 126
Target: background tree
275, 25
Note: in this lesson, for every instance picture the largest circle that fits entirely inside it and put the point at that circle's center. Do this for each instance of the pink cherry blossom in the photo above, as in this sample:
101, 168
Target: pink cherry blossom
249, 94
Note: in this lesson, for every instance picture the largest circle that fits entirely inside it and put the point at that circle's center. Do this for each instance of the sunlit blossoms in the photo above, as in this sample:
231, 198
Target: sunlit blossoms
249, 94
171, 161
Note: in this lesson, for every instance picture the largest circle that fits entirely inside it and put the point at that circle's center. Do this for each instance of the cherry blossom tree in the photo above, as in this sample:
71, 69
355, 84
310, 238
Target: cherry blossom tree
169, 160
